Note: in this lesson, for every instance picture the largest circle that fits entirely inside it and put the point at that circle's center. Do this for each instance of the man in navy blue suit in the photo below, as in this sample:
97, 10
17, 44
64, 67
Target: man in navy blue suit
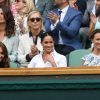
64, 24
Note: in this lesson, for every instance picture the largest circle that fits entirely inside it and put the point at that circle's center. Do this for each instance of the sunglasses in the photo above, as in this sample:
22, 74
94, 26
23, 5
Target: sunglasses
35, 19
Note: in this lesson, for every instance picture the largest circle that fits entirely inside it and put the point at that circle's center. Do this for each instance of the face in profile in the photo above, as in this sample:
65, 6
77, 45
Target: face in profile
35, 21
20, 4
1, 54
48, 44
96, 41
2, 19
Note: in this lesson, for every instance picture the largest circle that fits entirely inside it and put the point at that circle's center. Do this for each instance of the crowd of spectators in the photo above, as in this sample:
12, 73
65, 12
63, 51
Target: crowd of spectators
42, 33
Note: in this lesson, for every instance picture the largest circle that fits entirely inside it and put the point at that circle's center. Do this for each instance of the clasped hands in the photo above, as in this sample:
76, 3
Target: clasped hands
53, 17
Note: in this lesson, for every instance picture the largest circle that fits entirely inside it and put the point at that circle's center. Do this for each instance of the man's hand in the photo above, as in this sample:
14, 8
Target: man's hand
53, 17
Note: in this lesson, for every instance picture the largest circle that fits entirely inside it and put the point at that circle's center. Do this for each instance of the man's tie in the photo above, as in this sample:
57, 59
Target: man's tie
59, 12
60, 38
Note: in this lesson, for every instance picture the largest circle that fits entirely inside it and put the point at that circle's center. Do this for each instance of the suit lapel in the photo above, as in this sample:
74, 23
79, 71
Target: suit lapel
67, 16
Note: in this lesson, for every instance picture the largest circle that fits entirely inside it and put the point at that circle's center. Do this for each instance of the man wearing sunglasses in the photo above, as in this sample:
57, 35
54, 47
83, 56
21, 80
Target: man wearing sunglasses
64, 23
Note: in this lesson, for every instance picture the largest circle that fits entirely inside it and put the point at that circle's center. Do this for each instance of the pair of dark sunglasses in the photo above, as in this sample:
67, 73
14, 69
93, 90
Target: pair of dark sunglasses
35, 19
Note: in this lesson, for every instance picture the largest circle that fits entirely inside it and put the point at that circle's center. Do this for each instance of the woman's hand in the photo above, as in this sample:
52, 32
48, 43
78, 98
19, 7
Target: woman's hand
50, 59
34, 51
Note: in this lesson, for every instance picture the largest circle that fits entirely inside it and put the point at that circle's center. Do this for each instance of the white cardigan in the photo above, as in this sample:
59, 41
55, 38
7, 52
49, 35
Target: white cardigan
24, 47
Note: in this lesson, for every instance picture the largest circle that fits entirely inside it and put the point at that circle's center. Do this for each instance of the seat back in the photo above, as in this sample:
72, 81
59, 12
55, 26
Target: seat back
75, 57
13, 65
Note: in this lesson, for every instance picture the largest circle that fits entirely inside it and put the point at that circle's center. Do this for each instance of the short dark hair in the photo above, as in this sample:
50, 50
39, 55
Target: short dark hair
94, 32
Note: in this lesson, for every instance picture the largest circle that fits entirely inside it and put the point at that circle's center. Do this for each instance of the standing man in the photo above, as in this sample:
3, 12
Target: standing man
64, 23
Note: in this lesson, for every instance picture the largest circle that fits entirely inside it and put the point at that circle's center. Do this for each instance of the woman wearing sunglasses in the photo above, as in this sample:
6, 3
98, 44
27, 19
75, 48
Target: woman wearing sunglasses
30, 43
49, 57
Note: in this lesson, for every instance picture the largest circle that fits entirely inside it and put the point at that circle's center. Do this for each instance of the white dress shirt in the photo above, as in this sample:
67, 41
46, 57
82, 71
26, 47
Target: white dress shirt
62, 16
36, 2
37, 61
24, 47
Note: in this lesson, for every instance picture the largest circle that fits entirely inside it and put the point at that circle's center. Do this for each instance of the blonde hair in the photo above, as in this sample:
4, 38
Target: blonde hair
33, 12
29, 6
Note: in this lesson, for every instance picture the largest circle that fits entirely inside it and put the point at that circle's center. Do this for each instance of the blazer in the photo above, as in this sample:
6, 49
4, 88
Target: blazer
44, 6
69, 28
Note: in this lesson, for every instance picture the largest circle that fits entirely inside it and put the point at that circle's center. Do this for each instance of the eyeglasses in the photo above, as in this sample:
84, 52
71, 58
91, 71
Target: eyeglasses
35, 19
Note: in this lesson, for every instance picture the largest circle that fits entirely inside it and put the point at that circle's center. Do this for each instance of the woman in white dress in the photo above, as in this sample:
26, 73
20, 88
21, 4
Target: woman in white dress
49, 57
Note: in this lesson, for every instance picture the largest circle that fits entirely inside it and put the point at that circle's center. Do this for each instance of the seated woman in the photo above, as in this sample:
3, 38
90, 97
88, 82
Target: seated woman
30, 43
49, 57
4, 59
7, 32
93, 59
23, 8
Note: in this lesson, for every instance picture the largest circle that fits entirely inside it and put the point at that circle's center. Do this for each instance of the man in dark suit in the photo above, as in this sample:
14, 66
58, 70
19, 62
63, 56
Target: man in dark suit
64, 23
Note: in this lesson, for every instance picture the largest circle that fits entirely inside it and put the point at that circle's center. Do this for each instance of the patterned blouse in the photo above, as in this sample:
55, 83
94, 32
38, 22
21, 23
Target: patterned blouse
91, 60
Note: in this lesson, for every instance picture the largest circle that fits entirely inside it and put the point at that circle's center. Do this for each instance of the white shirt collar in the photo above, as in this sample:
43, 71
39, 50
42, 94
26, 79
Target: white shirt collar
64, 10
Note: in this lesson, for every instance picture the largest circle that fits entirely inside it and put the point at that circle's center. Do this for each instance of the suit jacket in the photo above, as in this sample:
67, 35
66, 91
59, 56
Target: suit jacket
69, 28
44, 6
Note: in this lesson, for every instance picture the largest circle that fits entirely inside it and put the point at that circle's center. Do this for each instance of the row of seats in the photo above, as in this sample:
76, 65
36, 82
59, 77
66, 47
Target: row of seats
74, 58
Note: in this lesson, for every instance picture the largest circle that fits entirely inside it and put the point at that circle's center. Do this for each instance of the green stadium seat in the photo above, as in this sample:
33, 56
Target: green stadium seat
13, 65
75, 57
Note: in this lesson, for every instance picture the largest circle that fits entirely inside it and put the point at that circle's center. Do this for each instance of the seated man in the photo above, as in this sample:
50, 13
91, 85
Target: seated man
64, 23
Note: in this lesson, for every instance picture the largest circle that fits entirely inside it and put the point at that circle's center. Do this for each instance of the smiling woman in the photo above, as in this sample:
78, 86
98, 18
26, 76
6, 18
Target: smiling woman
49, 57
93, 59
30, 43
7, 32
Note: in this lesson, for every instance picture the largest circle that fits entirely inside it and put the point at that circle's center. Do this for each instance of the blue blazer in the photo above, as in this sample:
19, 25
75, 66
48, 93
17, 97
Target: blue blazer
69, 28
